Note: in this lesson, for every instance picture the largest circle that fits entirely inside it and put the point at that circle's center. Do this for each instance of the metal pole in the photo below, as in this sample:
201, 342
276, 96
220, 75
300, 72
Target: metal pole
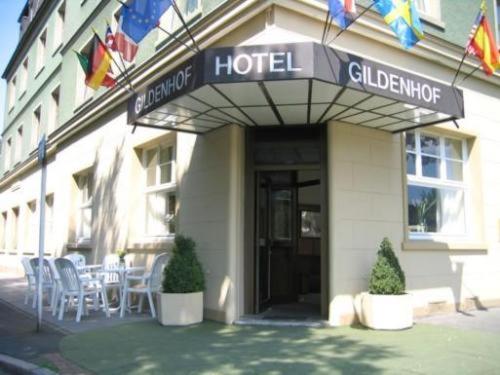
41, 240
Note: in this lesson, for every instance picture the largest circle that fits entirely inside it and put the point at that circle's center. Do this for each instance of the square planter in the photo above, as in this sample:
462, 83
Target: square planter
180, 309
389, 312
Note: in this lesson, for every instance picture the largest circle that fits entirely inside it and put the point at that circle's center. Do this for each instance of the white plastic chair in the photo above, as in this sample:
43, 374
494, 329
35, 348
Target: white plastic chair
77, 259
148, 283
30, 278
57, 286
110, 273
47, 279
74, 286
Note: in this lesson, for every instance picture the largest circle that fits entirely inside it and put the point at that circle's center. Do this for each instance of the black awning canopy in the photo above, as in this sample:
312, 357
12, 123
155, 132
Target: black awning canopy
291, 84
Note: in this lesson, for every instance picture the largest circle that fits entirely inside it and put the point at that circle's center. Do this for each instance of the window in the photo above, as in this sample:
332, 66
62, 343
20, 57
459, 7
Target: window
170, 20
498, 20
159, 163
8, 154
59, 26
85, 191
36, 127
437, 192
31, 229
3, 234
14, 230
24, 76
40, 52
49, 224
19, 145
54, 110
83, 92
430, 8
12, 93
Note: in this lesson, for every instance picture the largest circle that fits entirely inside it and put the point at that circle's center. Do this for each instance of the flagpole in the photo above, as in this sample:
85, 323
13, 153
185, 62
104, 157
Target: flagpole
121, 58
185, 24
353, 21
113, 59
323, 37
481, 14
178, 40
459, 67
471, 73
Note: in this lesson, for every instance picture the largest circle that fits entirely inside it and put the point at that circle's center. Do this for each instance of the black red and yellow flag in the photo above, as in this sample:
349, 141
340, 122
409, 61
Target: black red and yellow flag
97, 65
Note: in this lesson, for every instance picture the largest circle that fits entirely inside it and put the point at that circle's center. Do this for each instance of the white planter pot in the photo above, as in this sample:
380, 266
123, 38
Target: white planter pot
180, 309
391, 312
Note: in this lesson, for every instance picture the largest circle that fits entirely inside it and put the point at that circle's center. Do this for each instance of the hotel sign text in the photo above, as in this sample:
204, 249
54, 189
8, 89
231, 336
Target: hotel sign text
277, 62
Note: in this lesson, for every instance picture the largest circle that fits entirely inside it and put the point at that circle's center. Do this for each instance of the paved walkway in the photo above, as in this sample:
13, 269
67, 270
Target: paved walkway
487, 320
12, 291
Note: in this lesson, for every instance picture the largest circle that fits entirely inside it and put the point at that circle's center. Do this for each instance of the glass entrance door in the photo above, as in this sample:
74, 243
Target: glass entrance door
277, 215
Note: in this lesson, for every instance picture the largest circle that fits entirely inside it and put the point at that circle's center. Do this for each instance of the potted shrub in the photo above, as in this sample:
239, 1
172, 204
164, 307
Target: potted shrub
181, 299
387, 306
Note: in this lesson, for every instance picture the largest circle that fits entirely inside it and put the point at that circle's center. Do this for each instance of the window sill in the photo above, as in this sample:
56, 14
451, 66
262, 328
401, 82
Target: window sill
22, 94
39, 72
83, 245
151, 243
83, 104
432, 20
57, 49
425, 245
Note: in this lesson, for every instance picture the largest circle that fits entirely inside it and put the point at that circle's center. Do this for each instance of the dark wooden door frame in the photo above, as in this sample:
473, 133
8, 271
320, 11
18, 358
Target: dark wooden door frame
250, 280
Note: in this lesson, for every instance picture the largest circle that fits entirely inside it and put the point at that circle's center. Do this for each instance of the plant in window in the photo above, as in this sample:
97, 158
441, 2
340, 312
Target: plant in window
121, 254
423, 207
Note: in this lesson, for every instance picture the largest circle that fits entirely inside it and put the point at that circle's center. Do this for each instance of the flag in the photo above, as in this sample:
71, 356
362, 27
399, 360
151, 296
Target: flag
124, 44
403, 18
139, 17
482, 44
97, 65
110, 39
342, 11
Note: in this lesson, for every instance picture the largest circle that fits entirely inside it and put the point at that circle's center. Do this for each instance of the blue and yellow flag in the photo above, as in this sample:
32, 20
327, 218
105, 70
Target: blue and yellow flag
402, 16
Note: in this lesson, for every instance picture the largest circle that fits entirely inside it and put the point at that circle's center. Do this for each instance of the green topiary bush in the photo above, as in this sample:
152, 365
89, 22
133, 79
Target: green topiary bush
387, 276
184, 273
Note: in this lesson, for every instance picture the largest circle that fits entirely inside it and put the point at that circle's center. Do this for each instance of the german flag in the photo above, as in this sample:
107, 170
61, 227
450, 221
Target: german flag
482, 44
97, 65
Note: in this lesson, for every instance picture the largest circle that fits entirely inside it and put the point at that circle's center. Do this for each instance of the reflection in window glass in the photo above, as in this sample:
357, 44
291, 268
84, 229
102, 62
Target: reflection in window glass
429, 145
453, 148
430, 166
411, 163
436, 210
282, 215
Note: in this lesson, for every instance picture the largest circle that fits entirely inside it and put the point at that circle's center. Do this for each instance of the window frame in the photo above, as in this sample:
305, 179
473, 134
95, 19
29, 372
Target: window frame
59, 23
158, 187
84, 203
36, 128
441, 182
24, 76
41, 51
83, 93
432, 11
12, 93
54, 108
4, 231
8, 154
18, 146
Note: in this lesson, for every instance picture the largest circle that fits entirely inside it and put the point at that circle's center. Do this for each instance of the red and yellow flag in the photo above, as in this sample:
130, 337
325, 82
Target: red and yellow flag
97, 65
482, 44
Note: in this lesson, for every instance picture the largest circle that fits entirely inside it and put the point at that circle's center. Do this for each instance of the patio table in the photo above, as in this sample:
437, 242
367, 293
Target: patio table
122, 272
